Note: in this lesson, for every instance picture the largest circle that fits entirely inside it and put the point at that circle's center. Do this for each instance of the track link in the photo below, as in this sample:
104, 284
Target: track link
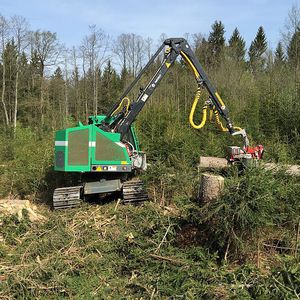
134, 192
67, 197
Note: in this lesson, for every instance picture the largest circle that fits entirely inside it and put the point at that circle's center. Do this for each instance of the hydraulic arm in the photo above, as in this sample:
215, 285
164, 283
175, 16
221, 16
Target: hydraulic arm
125, 112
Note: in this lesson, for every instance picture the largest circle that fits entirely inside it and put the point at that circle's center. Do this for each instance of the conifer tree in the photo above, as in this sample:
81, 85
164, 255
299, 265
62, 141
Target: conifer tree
237, 45
279, 54
293, 50
216, 41
257, 49
110, 86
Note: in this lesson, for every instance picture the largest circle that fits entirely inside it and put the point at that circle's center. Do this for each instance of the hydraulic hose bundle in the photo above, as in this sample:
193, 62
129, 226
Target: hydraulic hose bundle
213, 111
206, 104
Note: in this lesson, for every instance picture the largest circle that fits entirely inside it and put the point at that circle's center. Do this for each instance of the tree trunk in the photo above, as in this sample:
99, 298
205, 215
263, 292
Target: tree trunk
3, 92
66, 92
16, 97
95, 91
42, 94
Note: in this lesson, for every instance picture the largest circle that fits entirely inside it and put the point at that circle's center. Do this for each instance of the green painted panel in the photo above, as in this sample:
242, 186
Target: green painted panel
108, 140
78, 147
60, 135
107, 149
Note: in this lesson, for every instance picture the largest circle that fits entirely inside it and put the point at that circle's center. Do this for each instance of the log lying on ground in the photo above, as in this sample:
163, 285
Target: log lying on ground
292, 170
15, 207
211, 187
208, 162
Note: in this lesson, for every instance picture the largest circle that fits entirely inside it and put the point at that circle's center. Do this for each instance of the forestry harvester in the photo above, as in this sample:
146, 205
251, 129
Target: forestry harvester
106, 151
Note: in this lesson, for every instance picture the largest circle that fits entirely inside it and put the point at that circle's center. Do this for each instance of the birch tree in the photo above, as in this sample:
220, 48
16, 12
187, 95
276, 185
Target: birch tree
4, 37
47, 47
94, 49
20, 31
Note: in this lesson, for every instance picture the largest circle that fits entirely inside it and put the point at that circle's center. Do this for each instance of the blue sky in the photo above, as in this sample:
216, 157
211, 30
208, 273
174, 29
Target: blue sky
71, 18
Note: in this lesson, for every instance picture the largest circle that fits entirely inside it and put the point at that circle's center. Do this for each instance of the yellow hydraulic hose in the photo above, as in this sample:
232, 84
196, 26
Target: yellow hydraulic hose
197, 97
221, 126
211, 115
204, 109
218, 122
121, 103
192, 112
197, 75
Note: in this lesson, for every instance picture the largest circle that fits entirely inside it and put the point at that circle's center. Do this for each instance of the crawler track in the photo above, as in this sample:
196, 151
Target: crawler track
134, 192
67, 197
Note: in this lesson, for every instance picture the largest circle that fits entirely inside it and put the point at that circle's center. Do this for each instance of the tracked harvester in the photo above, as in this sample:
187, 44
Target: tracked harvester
106, 151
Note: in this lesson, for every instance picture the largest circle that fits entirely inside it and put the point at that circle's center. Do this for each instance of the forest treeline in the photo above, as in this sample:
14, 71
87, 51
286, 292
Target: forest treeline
46, 86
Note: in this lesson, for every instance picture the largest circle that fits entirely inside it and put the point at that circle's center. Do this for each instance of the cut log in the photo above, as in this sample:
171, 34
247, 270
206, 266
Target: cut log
209, 162
218, 163
292, 170
211, 187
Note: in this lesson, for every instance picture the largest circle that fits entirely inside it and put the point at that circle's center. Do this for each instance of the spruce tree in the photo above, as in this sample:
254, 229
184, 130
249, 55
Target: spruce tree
237, 45
257, 49
293, 50
216, 42
279, 54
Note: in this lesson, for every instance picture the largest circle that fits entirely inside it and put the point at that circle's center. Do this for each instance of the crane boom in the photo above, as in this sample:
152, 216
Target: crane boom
173, 47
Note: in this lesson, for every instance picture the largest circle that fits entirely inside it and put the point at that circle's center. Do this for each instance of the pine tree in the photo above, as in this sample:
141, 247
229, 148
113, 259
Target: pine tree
293, 50
279, 54
257, 49
216, 42
237, 45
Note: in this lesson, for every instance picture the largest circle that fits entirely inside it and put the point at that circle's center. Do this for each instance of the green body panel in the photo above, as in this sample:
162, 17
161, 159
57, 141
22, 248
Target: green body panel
79, 148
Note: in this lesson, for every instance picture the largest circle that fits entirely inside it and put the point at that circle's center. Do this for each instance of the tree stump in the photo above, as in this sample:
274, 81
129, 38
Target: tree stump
211, 187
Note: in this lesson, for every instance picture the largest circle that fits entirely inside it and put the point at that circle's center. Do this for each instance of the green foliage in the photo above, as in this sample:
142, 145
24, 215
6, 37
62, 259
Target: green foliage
251, 204
26, 159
